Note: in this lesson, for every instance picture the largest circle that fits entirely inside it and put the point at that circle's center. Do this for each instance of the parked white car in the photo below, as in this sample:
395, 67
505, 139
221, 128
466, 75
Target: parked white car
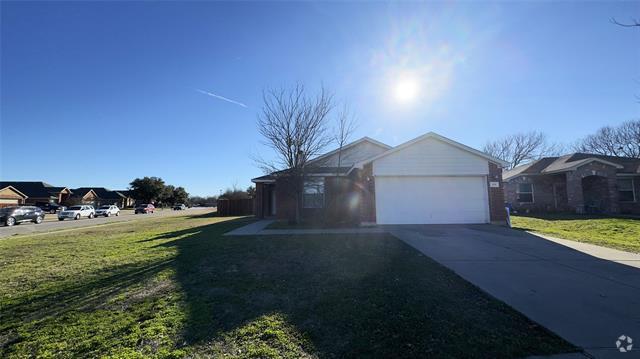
108, 210
77, 212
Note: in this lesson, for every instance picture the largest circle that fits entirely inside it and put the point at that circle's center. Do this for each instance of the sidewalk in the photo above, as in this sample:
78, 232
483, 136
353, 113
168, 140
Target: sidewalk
259, 229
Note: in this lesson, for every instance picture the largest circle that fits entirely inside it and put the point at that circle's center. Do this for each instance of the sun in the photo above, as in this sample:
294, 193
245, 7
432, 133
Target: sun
406, 90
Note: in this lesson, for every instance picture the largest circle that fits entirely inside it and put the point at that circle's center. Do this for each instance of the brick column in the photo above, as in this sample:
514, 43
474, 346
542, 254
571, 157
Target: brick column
497, 212
614, 202
575, 198
258, 200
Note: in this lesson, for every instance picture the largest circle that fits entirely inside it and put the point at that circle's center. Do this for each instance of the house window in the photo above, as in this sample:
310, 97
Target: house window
313, 196
626, 192
525, 192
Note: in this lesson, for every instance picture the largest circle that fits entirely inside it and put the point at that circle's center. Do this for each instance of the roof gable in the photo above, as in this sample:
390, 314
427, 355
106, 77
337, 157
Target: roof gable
99, 192
351, 153
433, 135
14, 190
33, 189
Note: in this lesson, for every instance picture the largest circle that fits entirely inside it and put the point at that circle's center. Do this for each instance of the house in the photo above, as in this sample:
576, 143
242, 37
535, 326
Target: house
430, 179
577, 182
84, 195
128, 199
9, 196
39, 193
106, 196
99, 196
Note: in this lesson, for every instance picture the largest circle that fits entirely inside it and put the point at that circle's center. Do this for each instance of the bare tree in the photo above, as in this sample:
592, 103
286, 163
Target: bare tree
632, 23
623, 140
345, 127
296, 126
522, 148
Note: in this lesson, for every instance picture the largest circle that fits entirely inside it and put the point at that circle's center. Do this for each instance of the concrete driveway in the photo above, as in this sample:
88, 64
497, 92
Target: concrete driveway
589, 296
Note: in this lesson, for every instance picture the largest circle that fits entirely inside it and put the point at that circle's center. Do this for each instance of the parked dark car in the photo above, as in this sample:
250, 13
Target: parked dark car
179, 207
16, 215
51, 207
145, 208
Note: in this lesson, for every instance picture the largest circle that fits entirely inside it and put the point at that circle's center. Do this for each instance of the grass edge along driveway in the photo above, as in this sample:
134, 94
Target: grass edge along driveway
613, 232
175, 287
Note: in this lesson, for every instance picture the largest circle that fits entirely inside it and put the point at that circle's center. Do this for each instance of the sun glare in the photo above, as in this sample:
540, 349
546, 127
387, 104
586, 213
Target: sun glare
406, 90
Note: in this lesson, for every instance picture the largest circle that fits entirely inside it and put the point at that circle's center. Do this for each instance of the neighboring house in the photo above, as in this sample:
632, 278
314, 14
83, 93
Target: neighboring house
128, 201
84, 195
578, 182
9, 196
106, 196
430, 179
39, 192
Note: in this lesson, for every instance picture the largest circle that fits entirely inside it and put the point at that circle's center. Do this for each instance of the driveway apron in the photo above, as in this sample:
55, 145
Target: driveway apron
588, 300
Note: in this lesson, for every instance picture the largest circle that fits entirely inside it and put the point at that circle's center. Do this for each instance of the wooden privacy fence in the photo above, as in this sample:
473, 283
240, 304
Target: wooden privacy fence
235, 207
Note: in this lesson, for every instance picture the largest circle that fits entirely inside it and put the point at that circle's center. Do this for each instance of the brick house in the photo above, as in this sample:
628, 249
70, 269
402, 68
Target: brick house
577, 182
9, 197
430, 179
39, 193
84, 195
103, 196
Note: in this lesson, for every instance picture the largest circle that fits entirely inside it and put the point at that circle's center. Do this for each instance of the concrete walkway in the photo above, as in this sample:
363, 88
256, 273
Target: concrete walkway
251, 229
587, 294
258, 229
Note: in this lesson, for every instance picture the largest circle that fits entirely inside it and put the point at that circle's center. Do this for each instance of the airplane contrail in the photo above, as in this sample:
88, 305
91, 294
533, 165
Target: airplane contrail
222, 98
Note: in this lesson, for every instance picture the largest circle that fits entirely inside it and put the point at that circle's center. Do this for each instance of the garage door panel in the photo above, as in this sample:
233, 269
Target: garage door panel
414, 200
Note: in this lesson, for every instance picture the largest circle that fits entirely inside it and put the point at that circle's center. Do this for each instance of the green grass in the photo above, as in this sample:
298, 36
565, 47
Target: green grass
175, 287
618, 233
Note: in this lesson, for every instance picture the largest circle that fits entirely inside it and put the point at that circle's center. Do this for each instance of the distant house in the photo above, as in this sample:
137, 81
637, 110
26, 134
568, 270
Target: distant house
84, 195
577, 182
129, 200
428, 180
39, 192
100, 196
9, 196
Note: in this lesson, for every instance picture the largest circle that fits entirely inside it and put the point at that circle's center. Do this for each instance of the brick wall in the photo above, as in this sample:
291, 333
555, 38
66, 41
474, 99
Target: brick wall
575, 193
259, 200
497, 212
368, 198
546, 198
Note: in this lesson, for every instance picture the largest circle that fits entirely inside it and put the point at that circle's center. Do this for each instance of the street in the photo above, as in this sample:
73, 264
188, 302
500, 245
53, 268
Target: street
53, 225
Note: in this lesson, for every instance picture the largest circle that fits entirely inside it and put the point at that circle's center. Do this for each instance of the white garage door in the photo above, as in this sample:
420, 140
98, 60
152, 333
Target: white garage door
431, 200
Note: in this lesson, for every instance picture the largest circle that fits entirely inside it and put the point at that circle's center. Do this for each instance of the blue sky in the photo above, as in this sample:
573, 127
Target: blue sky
98, 93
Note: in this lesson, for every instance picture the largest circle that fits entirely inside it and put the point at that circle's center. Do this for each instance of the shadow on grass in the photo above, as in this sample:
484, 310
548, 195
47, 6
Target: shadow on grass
339, 296
347, 296
221, 228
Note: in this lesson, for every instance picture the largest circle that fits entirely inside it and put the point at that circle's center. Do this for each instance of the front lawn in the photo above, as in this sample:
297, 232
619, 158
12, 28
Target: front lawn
618, 233
175, 287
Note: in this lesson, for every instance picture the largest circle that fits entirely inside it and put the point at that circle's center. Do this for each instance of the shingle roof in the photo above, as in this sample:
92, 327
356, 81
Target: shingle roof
82, 191
310, 170
570, 161
30, 188
101, 192
124, 192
